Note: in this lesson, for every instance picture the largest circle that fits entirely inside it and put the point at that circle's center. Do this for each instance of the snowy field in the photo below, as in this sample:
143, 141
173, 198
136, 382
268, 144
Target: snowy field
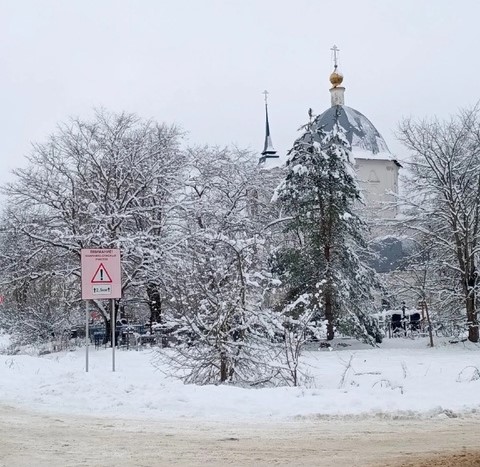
402, 378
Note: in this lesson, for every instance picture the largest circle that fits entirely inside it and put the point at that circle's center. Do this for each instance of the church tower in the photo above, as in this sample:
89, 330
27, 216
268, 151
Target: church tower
376, 167
268, 149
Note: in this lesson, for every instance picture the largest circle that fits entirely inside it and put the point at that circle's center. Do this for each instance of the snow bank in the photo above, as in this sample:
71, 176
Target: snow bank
404, 377
4, 341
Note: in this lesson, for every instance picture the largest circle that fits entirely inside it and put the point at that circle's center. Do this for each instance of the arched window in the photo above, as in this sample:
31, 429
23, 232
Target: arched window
373, 177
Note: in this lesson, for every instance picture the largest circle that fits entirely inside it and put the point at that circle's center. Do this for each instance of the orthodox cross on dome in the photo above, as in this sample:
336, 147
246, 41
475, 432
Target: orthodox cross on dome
265, 93
335, 51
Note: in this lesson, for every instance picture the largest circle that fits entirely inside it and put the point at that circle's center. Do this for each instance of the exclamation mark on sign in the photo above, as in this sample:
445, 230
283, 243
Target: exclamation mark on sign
101, 276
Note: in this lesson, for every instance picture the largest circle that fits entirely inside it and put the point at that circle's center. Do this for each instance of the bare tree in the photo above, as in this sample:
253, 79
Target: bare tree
442, 198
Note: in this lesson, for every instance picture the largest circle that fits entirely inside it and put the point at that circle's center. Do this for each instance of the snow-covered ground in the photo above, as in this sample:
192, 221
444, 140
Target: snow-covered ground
403, 377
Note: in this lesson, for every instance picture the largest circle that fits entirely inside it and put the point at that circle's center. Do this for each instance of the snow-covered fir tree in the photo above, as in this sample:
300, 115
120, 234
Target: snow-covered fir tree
324, 258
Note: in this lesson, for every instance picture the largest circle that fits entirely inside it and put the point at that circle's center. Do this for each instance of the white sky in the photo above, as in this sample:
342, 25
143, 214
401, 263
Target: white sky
204, 64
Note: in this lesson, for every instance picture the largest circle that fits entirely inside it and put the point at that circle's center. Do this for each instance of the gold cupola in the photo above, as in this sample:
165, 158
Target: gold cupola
336, 78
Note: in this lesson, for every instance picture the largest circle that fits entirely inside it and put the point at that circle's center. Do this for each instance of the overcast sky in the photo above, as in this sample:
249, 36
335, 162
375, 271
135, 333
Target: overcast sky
203, 64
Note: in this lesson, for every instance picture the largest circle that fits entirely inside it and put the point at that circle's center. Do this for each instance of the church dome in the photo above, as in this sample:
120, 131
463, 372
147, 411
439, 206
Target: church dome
359, 130
336, 78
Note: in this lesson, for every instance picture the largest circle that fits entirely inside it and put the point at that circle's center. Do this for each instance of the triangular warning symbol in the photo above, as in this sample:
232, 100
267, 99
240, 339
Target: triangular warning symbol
101, 276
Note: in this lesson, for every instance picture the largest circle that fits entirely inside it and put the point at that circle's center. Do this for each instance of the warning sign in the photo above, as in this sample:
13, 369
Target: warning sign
101, 274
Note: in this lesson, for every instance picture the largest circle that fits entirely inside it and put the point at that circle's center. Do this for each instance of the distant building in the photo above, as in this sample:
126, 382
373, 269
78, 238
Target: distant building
269, 155
377, 169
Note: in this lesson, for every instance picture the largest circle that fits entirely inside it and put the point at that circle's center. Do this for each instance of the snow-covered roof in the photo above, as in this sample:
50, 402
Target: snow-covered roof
366, 141
271, 162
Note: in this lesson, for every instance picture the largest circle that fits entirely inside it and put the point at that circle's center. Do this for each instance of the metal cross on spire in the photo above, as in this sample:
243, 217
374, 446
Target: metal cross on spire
335, 50
265, 93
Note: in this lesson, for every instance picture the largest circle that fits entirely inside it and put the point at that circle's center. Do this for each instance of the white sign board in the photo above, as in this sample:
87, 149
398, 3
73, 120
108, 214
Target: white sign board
101, 274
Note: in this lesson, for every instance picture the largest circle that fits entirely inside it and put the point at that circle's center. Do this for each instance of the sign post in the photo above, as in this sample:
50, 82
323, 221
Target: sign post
87, 339
101, 279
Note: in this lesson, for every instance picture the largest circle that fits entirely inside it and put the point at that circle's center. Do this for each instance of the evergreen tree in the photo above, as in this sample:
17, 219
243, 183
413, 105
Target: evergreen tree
325, 257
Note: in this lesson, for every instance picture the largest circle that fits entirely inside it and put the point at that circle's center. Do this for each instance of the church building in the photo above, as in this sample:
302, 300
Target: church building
377, 169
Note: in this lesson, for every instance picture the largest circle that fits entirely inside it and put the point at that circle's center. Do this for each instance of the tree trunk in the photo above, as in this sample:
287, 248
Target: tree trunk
429, 323
328, 298
223, 367
108, 332
329, 315
108, 322
154, 303
472, 320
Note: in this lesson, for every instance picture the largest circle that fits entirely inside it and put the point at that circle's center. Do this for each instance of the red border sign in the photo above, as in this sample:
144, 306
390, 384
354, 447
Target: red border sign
101, 274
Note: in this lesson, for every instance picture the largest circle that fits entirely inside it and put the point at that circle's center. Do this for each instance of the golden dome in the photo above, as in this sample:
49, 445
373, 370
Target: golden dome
336, 79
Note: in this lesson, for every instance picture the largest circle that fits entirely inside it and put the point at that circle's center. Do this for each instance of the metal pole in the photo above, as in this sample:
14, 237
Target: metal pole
113, 326
86, 336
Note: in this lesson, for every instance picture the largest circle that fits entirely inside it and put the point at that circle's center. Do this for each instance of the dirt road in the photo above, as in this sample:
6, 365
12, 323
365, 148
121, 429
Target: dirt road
37, 440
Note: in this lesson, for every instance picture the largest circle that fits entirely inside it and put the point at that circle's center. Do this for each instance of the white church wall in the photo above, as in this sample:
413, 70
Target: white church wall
378, 180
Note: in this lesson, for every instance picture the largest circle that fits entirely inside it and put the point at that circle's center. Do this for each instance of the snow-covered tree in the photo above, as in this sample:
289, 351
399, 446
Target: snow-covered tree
219, 278
324, 257
441, 202
39, 304
111, 182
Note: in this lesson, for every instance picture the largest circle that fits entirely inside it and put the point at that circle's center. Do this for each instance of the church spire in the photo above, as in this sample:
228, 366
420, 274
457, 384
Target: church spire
268, 149
336, 78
